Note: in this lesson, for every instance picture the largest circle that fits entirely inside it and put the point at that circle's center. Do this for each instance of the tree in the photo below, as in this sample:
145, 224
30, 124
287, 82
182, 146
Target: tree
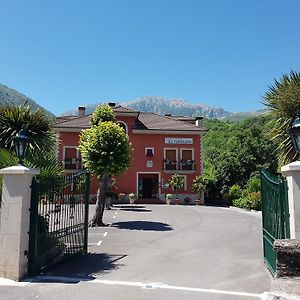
106, 152
199, 185
283, 102
36, 123
177, 183
233, 153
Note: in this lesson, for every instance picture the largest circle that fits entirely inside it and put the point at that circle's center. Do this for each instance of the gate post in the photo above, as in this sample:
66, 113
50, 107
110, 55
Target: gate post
292, 173
14, 228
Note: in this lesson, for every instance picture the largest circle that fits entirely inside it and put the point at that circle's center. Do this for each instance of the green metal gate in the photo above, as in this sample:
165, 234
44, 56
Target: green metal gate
58, 220
275, 214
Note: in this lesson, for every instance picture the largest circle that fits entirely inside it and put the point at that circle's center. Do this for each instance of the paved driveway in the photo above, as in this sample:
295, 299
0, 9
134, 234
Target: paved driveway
165, 252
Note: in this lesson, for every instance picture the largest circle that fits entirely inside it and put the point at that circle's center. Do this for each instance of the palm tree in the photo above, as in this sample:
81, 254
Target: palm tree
283, 102
35, 122
46, 162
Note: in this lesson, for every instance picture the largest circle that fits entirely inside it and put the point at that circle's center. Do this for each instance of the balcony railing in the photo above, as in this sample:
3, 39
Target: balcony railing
72, 164
175, 165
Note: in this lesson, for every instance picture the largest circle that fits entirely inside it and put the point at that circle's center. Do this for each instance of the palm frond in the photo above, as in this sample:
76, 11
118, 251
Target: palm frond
283, 102
35, 122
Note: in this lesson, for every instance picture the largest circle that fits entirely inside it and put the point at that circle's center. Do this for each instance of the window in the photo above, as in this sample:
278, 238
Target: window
149, 152
170, 161
123, 125
71, 158
187, 159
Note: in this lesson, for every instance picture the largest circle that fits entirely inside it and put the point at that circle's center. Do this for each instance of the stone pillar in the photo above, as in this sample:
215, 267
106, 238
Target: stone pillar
292, 173
14, 227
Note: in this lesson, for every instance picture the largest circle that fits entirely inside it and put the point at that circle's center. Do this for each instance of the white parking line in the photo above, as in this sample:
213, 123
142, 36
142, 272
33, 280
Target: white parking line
105, 233
99, 243
42, 279
172, 287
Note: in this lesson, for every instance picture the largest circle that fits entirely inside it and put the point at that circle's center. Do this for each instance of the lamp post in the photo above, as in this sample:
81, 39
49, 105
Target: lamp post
21, 145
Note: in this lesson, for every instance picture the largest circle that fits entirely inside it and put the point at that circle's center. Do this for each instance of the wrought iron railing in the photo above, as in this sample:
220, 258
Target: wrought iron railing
59, 219
72, 163
184, 164
275, 214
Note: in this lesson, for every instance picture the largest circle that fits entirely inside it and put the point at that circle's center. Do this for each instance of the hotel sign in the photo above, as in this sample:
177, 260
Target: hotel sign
179, 141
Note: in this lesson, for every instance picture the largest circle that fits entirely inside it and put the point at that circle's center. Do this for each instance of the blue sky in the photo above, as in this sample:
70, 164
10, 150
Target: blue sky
224, 53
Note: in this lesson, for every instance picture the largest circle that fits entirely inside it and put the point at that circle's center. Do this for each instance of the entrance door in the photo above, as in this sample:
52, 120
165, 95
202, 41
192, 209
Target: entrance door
148, 186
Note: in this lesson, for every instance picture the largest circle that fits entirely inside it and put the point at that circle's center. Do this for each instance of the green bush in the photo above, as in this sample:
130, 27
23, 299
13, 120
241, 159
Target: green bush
249, 201
253, 184
235, 192
255, 200
242, 202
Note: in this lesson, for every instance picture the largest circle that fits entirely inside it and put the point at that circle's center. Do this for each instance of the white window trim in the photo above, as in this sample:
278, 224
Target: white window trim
149, 148
165, 152
190, 149
70, 147
122, 122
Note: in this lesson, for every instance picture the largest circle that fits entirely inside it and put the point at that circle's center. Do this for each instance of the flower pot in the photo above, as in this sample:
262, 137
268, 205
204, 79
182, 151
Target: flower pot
197, 202
177, 201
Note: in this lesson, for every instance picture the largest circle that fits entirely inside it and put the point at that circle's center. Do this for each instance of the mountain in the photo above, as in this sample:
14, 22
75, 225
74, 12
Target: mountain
180, 107
10, 96
161, 105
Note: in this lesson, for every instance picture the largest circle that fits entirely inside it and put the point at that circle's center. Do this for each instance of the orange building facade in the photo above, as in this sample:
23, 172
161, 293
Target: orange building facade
161, 146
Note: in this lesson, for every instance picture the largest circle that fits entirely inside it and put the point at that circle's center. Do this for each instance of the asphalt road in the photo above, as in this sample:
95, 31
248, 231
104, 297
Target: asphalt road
161, 252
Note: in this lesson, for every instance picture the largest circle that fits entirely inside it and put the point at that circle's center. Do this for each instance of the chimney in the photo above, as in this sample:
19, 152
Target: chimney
198, 121
81, 111
112, 104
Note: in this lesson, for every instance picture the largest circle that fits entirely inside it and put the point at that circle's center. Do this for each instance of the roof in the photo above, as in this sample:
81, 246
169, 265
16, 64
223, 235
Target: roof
122, 109
145, 121
152, 121
75, 122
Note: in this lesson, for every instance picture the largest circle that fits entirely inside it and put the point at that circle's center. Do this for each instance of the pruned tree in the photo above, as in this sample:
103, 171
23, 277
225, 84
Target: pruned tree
106, 152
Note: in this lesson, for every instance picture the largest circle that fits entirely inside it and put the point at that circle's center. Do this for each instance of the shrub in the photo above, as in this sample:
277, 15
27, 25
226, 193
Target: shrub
253, 184
132, 196
169, 196
255, 200
235, 192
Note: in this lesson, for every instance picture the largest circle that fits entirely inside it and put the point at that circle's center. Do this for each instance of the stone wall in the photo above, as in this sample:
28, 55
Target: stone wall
288, 257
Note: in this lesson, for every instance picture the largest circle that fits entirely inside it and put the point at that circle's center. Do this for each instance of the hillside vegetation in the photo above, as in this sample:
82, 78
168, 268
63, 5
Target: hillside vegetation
10, 96
234, 154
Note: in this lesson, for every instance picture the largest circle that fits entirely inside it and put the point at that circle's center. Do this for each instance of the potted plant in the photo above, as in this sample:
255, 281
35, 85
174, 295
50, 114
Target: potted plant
132, 198
198, 186
177, 183
168, 198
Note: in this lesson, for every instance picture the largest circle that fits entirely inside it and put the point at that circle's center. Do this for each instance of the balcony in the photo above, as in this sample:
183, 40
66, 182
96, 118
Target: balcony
72, 164
181, 165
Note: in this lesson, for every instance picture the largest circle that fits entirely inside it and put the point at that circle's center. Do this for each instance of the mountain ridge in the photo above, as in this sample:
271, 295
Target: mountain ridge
156, 104
11, 96
173, 106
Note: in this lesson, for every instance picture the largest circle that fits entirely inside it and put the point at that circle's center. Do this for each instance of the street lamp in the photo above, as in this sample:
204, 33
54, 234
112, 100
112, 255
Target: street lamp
295, 133
21, 145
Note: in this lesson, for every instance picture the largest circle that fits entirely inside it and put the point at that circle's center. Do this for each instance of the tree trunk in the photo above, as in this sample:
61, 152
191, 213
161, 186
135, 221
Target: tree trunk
104, 187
